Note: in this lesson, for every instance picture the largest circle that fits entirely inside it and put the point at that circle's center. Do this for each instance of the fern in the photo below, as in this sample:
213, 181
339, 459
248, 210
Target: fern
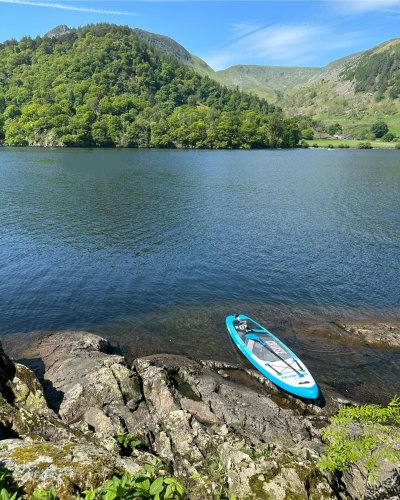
363, 436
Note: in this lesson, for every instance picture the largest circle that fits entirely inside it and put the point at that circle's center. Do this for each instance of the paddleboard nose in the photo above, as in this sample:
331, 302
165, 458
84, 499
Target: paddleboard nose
310, 392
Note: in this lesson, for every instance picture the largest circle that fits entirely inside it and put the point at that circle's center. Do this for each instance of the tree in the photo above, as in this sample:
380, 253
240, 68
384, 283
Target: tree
334, 129
101, 85
307, 133
379, 129
389, 137
395, 91
363, 437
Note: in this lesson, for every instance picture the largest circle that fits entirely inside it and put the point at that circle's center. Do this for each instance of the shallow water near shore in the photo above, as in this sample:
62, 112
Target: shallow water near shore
348, 369
154, 248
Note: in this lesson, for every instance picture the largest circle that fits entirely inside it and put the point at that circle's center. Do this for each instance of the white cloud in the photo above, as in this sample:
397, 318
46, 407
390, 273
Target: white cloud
244, 28
361, 6
280, 44
68, 7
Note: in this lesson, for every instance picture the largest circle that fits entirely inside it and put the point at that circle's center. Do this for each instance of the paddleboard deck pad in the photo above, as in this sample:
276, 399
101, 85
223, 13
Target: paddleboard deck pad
271, 357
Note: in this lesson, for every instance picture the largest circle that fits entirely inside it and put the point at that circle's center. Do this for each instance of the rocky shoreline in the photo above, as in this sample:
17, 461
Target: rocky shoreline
216, 427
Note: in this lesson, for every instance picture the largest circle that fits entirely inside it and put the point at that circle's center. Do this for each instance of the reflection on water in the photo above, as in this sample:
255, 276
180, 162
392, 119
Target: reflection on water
155, 248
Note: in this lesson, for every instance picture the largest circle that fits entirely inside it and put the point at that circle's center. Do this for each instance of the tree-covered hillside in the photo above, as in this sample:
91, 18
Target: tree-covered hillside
104, 85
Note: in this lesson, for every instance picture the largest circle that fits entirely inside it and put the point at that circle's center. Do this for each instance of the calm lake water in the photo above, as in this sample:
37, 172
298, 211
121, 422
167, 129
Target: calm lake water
154, 248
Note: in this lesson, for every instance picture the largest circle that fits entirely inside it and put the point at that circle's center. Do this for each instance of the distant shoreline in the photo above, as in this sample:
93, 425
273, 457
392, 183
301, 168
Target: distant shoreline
318, 144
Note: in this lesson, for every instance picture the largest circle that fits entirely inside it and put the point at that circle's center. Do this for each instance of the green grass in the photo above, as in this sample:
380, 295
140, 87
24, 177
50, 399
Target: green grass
324, 143
352, 125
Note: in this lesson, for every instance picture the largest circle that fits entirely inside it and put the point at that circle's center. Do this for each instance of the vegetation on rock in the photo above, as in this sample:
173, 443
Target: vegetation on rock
145, 485
8, 488
363, 436
170, 427
127, 442
148, 484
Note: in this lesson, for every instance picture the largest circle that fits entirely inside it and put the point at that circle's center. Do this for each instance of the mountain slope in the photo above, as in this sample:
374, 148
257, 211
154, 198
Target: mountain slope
170, 47
265, 81
361, 87
163, 44
357, 87
106, 85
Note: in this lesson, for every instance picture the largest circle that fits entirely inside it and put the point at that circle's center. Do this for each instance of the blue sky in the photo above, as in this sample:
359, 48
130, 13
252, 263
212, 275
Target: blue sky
224, 33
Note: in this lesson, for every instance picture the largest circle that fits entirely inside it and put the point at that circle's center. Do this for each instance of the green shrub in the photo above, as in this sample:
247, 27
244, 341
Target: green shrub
365, 135
307, 133
127, 442
379, 129
144, 485
40, 494
8, 488
397, 146
364, 145
363, 436
388, 137
218, 475
335, 129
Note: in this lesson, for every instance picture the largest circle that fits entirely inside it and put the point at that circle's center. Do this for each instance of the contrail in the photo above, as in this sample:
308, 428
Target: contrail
69, 7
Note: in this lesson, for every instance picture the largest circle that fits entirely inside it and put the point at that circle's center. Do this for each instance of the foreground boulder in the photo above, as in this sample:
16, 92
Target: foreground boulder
85, 383
64, 465
214, 426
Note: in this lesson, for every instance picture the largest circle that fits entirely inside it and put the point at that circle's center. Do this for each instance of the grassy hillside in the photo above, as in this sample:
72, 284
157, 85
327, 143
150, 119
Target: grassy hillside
355, 91
265, 81
107, 85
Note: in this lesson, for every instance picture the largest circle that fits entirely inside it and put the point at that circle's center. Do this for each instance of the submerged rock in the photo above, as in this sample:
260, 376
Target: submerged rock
373, 334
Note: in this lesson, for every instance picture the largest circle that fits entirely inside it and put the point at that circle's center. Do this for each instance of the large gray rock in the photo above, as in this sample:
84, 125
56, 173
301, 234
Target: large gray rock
85, 382
208, 424
66, 466
220, 429
23, 408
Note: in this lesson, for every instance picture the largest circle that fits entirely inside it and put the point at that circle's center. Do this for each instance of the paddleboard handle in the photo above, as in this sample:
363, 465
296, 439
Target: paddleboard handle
242, 322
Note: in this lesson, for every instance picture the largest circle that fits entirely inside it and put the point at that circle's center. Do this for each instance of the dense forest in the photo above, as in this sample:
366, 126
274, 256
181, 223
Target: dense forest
101, 85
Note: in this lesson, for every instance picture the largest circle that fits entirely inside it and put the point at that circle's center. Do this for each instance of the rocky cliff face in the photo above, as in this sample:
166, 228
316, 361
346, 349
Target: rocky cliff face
214, 426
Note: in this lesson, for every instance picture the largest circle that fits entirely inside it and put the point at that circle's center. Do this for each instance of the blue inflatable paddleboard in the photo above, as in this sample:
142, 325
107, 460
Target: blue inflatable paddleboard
271, 357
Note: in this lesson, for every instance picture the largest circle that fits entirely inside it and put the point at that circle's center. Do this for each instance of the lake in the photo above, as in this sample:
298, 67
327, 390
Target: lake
154, 248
